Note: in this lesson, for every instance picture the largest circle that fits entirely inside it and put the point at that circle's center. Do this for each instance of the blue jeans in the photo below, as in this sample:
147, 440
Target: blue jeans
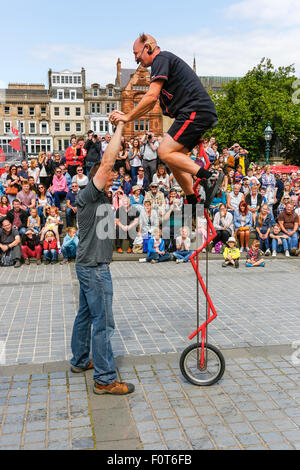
185, 255
88, 167
262, 242
134, 171
50, 255
293, 240
95, 310
70, 216
69, 252
159, 258
278, 248
41, 215
58, 196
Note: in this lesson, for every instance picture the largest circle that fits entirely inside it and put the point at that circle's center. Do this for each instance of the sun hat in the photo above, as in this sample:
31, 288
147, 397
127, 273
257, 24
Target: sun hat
231, 240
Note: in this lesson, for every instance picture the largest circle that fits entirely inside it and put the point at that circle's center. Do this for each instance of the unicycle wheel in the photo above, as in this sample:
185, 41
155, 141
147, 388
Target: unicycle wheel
212, 371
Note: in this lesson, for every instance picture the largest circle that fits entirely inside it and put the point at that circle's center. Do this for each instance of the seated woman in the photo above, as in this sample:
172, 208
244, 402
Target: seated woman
148, 221
263, 226
136, 198
220, 198
80, 178
279, 241
4, 206
242, 223
43, 197
31, 247
183, 244
254, 201
69, 246
156, 249
223, 224
162, 178
283, 203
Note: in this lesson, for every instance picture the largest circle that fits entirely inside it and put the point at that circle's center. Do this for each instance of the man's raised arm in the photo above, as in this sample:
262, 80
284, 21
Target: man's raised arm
109, 158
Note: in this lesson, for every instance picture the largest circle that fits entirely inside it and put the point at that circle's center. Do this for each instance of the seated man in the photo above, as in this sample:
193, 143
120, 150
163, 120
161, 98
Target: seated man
26, 197
127, 219
156, 198
18, 217
141, 180
71, 209
10, 241
289, 223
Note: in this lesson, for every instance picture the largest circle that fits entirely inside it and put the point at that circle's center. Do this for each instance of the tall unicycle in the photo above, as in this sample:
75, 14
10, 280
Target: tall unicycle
202, 363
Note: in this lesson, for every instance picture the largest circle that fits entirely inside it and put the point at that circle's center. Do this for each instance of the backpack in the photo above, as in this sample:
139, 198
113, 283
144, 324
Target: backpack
6, 258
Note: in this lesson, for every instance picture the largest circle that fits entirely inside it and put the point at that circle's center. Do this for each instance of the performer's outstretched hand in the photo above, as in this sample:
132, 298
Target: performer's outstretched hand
117, 116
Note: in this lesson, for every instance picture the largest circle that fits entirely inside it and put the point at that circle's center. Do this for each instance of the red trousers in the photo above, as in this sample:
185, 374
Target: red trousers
36, 253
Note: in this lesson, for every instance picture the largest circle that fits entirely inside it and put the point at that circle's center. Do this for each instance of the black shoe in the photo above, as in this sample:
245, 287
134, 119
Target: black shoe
224, 265
17, 264
27, 261
211, 187
236, 264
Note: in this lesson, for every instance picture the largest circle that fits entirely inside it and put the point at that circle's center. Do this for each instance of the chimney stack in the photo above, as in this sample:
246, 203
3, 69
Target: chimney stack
118, 79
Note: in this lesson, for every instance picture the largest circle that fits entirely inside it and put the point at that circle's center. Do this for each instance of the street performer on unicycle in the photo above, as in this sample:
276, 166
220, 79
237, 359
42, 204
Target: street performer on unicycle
182, 97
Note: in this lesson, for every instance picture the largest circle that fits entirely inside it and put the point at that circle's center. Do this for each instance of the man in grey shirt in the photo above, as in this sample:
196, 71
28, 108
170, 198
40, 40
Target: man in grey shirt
148, 151
94, 253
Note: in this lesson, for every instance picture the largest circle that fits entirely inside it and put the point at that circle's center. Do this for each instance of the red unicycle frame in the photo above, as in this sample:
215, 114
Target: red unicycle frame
202, 364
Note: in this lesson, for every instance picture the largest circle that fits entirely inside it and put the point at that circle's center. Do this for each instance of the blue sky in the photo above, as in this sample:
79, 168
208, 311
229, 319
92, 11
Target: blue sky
227, 37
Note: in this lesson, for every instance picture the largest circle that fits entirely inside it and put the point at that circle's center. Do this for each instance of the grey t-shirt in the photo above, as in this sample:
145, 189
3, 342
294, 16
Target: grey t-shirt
7, 238
96, 227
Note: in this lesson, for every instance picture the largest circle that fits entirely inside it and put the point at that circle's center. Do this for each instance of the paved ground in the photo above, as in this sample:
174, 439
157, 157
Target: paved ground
255, 405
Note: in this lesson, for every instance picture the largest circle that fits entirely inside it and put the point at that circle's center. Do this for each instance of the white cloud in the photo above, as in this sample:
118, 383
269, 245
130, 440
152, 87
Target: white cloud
278, 13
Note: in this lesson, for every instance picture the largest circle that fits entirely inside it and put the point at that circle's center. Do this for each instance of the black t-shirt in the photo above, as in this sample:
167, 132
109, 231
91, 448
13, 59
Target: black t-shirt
182, 91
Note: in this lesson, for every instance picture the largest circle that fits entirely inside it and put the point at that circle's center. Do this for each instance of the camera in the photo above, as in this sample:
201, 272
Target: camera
149, 136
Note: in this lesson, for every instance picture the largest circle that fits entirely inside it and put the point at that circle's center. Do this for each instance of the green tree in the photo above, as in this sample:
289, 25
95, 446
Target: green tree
245, 106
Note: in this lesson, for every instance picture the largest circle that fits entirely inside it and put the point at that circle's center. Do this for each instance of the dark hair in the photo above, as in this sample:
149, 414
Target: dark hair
38, 191
94, 170
242, 204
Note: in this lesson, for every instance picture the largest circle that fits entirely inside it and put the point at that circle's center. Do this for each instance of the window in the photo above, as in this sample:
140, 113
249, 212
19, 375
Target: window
79, 80
73, 95
36, 145
7, 127
58, 79
106, 126
71, 79
95, 92
22, 127
75, 80
67, 111
136, 126
67, 127
43, 109
60, 94
20, 110
78, 127
78, 112
94, 126
110, 107
44, 127
142, 125
54, 79
95, 108
32, 128
56, 111
57, 126
66, 144
59, 145
6, 109
66, 79
110, 92
147, 125
31, 111
62, 79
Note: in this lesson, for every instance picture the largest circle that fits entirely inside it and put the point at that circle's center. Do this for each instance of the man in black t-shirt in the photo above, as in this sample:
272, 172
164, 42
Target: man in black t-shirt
183, 97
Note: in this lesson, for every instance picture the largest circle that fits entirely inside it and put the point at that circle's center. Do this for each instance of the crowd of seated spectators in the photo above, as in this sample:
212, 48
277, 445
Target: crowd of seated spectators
147, 202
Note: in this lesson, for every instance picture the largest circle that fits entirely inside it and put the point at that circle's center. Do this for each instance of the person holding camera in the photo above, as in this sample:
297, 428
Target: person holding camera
149, 146
93, 148
75, 155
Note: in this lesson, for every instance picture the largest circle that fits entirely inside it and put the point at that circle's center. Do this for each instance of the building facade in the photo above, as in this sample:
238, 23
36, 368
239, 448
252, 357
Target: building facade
67, 108
134, 85
25, 107
99, 103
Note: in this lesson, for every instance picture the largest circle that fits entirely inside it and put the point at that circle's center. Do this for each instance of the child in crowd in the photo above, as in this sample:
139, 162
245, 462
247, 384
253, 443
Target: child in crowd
263, 192
279, 241
183, 243
126, 185
69, 246
254, 257
52, 223
50, 249
231, 254
4, 206
138, 241
238, 176
156, 249
116, 181
34, 220
202, 230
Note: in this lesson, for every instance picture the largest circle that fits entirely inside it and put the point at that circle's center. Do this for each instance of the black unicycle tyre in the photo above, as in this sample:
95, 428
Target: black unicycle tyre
213, 370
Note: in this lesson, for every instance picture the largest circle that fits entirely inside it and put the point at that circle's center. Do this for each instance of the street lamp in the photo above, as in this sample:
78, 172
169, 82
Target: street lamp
268, 132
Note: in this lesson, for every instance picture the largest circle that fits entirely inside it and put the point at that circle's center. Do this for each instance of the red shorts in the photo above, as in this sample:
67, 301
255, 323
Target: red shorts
188, 128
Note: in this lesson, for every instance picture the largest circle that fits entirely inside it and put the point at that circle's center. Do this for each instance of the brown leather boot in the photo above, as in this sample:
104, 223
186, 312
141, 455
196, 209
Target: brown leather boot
77, 370
115, 388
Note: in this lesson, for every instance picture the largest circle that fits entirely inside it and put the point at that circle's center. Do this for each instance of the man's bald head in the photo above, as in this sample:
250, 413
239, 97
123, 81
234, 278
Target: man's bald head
144, 44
